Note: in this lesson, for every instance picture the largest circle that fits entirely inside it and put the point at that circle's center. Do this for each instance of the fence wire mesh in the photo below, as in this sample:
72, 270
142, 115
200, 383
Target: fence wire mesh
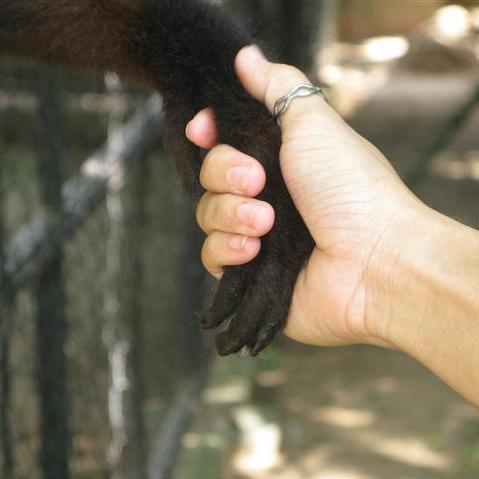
127, 274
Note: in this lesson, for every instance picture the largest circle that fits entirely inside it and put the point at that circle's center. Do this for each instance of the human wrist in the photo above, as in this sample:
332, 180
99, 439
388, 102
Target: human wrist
424, 299
406, 268
432, 274
387, 269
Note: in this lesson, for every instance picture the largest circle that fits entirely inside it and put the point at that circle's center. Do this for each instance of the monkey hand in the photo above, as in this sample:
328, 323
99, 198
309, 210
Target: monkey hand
349, 197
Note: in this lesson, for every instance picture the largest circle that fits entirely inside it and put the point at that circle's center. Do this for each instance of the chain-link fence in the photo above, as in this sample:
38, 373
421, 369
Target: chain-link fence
101, 282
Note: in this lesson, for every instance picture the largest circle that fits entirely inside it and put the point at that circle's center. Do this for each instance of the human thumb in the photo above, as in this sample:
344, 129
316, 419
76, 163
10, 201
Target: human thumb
308, 124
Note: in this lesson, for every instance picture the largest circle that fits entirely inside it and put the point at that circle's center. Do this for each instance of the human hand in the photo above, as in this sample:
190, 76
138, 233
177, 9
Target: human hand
348, 194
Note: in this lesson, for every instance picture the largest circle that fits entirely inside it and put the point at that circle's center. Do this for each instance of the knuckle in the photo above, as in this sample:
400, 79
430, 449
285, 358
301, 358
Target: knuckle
281, 76
204, 174
200, 212
217, 154
215, 212
283, 71
205, 260
207, 255
223, 213
212, 163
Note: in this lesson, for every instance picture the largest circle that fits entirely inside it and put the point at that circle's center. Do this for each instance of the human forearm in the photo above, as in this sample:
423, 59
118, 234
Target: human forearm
430, 296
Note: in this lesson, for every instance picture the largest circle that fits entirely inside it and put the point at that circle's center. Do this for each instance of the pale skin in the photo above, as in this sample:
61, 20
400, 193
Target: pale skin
386, 271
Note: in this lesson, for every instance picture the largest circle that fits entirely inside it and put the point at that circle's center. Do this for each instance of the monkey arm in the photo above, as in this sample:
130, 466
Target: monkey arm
185, 49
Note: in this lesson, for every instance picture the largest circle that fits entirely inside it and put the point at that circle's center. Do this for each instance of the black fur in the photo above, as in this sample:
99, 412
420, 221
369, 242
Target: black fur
185, 49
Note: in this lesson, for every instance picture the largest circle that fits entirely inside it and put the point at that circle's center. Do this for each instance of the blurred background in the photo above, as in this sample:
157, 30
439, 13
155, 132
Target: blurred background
104, 372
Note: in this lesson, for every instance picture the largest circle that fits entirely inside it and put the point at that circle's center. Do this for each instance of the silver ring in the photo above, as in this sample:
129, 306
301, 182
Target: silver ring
300, 91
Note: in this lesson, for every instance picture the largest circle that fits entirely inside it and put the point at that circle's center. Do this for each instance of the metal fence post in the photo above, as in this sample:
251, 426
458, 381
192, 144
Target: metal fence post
6, 442
51, 322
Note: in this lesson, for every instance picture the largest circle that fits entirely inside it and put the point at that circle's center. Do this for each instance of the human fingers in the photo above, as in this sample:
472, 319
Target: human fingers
234, 214
224, 249
267, 82
311, 121
201, 130
227, 170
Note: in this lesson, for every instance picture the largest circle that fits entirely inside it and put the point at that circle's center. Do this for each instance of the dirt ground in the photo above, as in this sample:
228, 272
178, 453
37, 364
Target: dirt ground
364, 413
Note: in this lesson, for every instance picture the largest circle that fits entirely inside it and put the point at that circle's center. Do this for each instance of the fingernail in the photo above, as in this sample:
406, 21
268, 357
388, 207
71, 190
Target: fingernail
255, 54
246, 213
237, 178
237, 243
252, 215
